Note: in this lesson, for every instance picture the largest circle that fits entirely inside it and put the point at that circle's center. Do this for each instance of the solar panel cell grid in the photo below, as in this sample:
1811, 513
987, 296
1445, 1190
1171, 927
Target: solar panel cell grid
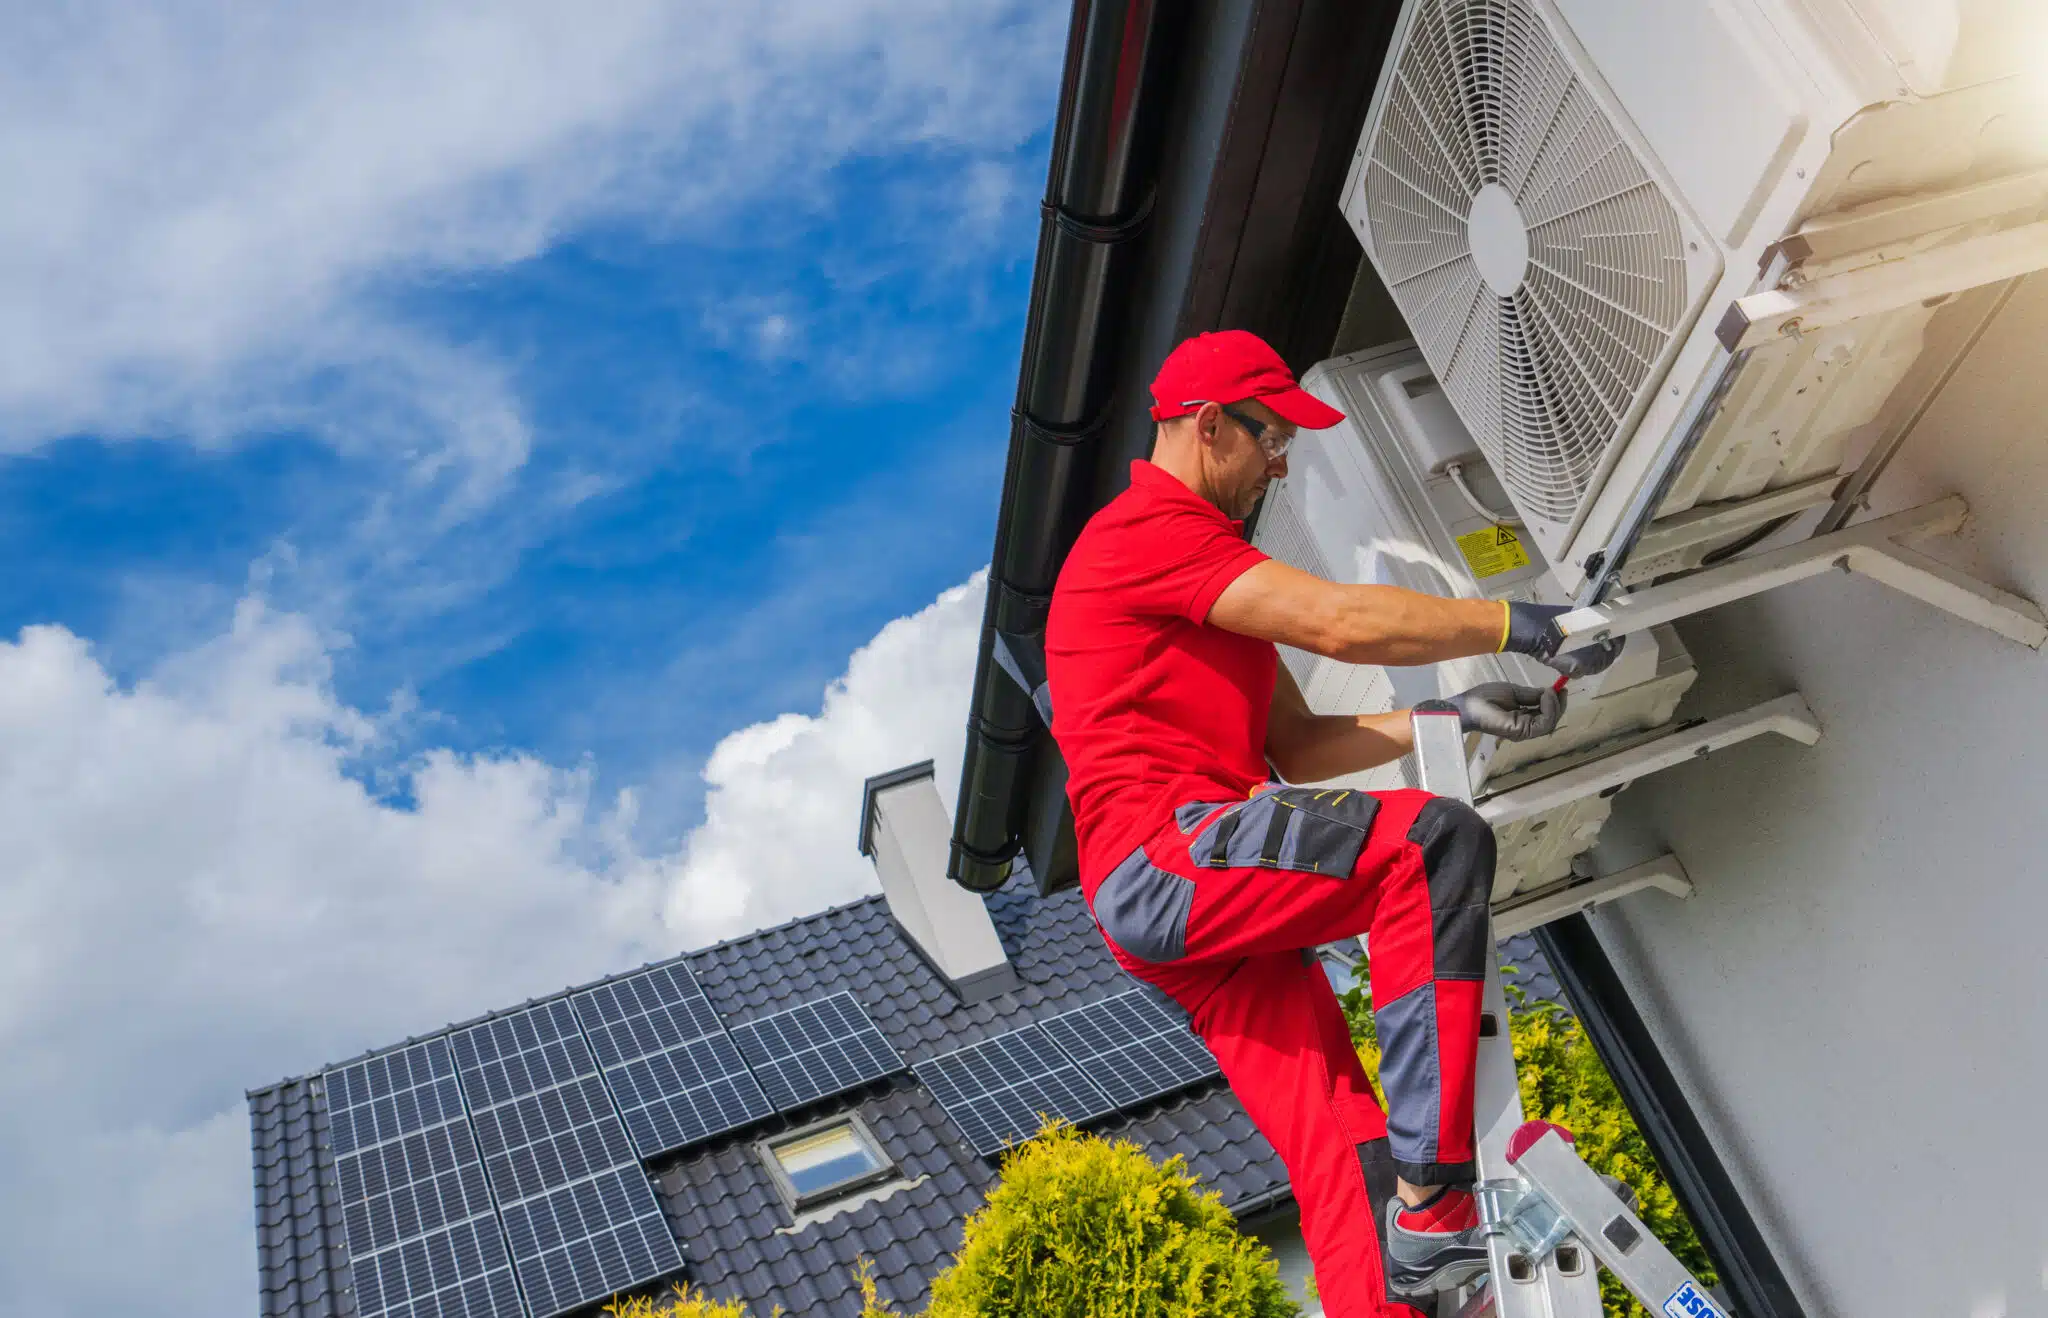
577, 1239
646, 1013
1001, 1090
423, 1239
416, 1183
1131, 1047
519, 1054
676, 1074
820, 1048
461, 1273
579, 1213
550, 1138
688, 1094
392, 1094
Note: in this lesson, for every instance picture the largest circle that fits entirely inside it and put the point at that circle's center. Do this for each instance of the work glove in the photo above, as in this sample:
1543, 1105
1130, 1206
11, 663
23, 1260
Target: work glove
1532, 630
1504, 710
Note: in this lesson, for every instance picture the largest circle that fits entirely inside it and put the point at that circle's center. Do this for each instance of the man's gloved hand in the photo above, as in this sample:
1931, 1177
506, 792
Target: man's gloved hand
1502, 709
1532, 630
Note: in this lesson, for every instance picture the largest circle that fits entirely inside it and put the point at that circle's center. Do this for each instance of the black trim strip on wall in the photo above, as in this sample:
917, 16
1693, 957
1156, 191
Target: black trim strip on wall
1750, 1276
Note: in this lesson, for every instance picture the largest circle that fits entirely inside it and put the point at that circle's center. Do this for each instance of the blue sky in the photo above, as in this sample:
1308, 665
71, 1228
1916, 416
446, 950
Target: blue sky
752, 446
481, 487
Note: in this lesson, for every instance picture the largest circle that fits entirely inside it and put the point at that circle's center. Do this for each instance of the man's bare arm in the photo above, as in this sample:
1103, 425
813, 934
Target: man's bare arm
1356, 624
1310, 748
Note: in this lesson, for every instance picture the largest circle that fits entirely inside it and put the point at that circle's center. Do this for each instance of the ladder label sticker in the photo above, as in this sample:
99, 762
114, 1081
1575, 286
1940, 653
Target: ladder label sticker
1689, 1301
1492, 551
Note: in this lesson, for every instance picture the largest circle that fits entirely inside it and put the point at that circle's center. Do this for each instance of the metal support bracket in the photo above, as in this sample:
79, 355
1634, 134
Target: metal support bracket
1716, 521
1876, 225
1872, 548
1524, 911
1787, 716
1869, 290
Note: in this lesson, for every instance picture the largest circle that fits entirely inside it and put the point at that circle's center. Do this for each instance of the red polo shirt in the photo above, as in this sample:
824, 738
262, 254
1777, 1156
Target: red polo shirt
1151, 706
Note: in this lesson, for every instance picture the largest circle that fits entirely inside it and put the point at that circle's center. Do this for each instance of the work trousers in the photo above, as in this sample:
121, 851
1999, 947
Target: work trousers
1220, 910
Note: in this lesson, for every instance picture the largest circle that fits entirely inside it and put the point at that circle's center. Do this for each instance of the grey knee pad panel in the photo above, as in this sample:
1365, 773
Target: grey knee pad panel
1144, 909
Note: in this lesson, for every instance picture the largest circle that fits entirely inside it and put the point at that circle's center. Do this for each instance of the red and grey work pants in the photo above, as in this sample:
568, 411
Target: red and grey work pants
1220, 909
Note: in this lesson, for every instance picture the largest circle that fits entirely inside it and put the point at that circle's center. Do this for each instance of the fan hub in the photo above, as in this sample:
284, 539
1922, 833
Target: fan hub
1498, 239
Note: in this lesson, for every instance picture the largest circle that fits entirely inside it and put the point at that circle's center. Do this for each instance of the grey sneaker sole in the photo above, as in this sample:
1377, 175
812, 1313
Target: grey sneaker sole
1455, 1261
1448, 1277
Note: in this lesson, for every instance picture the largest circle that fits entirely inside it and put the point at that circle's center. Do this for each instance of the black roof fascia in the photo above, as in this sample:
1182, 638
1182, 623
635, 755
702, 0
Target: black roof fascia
1749, 1272
1256, 123
1098, 205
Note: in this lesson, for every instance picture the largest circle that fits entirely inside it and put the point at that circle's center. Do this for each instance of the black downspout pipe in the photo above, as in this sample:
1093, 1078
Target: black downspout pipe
1750, 1276
1098, 200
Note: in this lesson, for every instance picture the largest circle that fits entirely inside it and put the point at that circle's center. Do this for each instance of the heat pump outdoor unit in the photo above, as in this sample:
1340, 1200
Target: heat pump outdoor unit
1375, 500
1574, 204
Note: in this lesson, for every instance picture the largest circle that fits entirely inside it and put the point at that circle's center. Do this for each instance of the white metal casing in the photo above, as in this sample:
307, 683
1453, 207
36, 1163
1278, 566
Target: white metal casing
1728, 124
1359, 506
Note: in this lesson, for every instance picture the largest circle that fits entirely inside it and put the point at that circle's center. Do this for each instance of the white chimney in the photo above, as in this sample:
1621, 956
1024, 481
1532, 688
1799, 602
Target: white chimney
904, 830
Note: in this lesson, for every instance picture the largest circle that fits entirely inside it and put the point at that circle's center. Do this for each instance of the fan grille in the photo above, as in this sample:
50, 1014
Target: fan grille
1546, 376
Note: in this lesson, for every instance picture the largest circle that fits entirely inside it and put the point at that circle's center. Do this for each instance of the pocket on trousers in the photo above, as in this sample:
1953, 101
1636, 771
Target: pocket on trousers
1317, 830
1144, 909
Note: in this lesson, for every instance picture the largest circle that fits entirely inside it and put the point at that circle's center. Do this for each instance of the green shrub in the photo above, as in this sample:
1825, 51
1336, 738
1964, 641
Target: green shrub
1079, 1227
683, 1302
1563, 1081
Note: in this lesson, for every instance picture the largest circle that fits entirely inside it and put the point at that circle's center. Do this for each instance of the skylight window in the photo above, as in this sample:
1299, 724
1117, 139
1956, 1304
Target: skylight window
825, 1161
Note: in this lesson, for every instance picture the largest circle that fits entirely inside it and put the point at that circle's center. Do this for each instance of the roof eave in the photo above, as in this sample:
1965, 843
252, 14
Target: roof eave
1196, 169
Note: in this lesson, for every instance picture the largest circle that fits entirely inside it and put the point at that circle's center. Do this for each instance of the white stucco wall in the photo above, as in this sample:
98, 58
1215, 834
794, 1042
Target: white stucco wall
1859, 992
1281, 1233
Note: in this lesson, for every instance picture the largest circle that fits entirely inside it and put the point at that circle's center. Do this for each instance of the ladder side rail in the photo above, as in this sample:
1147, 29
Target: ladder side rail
1544, 1290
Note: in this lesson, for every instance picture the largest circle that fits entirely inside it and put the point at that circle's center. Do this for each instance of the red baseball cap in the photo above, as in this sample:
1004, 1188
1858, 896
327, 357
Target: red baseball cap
1229, 366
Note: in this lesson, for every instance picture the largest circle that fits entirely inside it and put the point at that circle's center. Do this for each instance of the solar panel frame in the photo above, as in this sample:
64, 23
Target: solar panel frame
999, 1091
424, 1237
674, 1071
580, 1216
815, 1050
1131, 1047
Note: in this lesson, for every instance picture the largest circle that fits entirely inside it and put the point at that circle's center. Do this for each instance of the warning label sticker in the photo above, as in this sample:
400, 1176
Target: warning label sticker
1493, 551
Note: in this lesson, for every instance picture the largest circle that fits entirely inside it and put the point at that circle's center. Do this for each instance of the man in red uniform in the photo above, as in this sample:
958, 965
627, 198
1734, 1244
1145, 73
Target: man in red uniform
1212, 883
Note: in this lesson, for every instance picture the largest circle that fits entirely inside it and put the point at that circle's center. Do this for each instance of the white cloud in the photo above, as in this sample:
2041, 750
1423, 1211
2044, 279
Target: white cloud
783, 808
199, 898
208, 203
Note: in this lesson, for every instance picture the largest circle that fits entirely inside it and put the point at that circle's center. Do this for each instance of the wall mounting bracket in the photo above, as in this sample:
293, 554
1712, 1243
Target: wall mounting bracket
1876, 548
1526, 910
1938, 272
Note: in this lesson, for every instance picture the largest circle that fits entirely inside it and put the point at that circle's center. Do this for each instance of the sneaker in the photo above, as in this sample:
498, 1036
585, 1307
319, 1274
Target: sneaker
1437, 1245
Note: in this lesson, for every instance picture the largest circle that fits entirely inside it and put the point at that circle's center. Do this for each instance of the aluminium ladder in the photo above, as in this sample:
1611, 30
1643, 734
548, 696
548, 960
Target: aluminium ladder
1542, 1207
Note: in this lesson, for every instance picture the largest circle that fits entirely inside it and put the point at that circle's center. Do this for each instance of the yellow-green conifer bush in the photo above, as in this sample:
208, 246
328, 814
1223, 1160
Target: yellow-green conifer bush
1080, 1227
683, 1302
1564, 1081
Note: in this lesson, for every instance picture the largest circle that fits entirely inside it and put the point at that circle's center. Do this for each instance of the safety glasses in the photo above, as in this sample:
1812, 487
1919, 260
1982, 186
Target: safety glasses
1272, 441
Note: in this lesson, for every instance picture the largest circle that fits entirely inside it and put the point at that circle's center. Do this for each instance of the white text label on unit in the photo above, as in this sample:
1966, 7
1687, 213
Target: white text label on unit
1689, 1301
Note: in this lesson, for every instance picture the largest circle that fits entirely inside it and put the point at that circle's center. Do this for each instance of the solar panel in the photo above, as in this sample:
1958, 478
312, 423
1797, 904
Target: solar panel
1000, 1090
423, 1240
675, 1072
1132, 1047
820, 1048
579, 1213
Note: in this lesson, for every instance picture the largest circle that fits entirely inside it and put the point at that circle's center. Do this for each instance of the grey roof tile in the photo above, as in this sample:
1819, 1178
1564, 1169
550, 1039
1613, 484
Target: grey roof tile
1530, 970
301, 1251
